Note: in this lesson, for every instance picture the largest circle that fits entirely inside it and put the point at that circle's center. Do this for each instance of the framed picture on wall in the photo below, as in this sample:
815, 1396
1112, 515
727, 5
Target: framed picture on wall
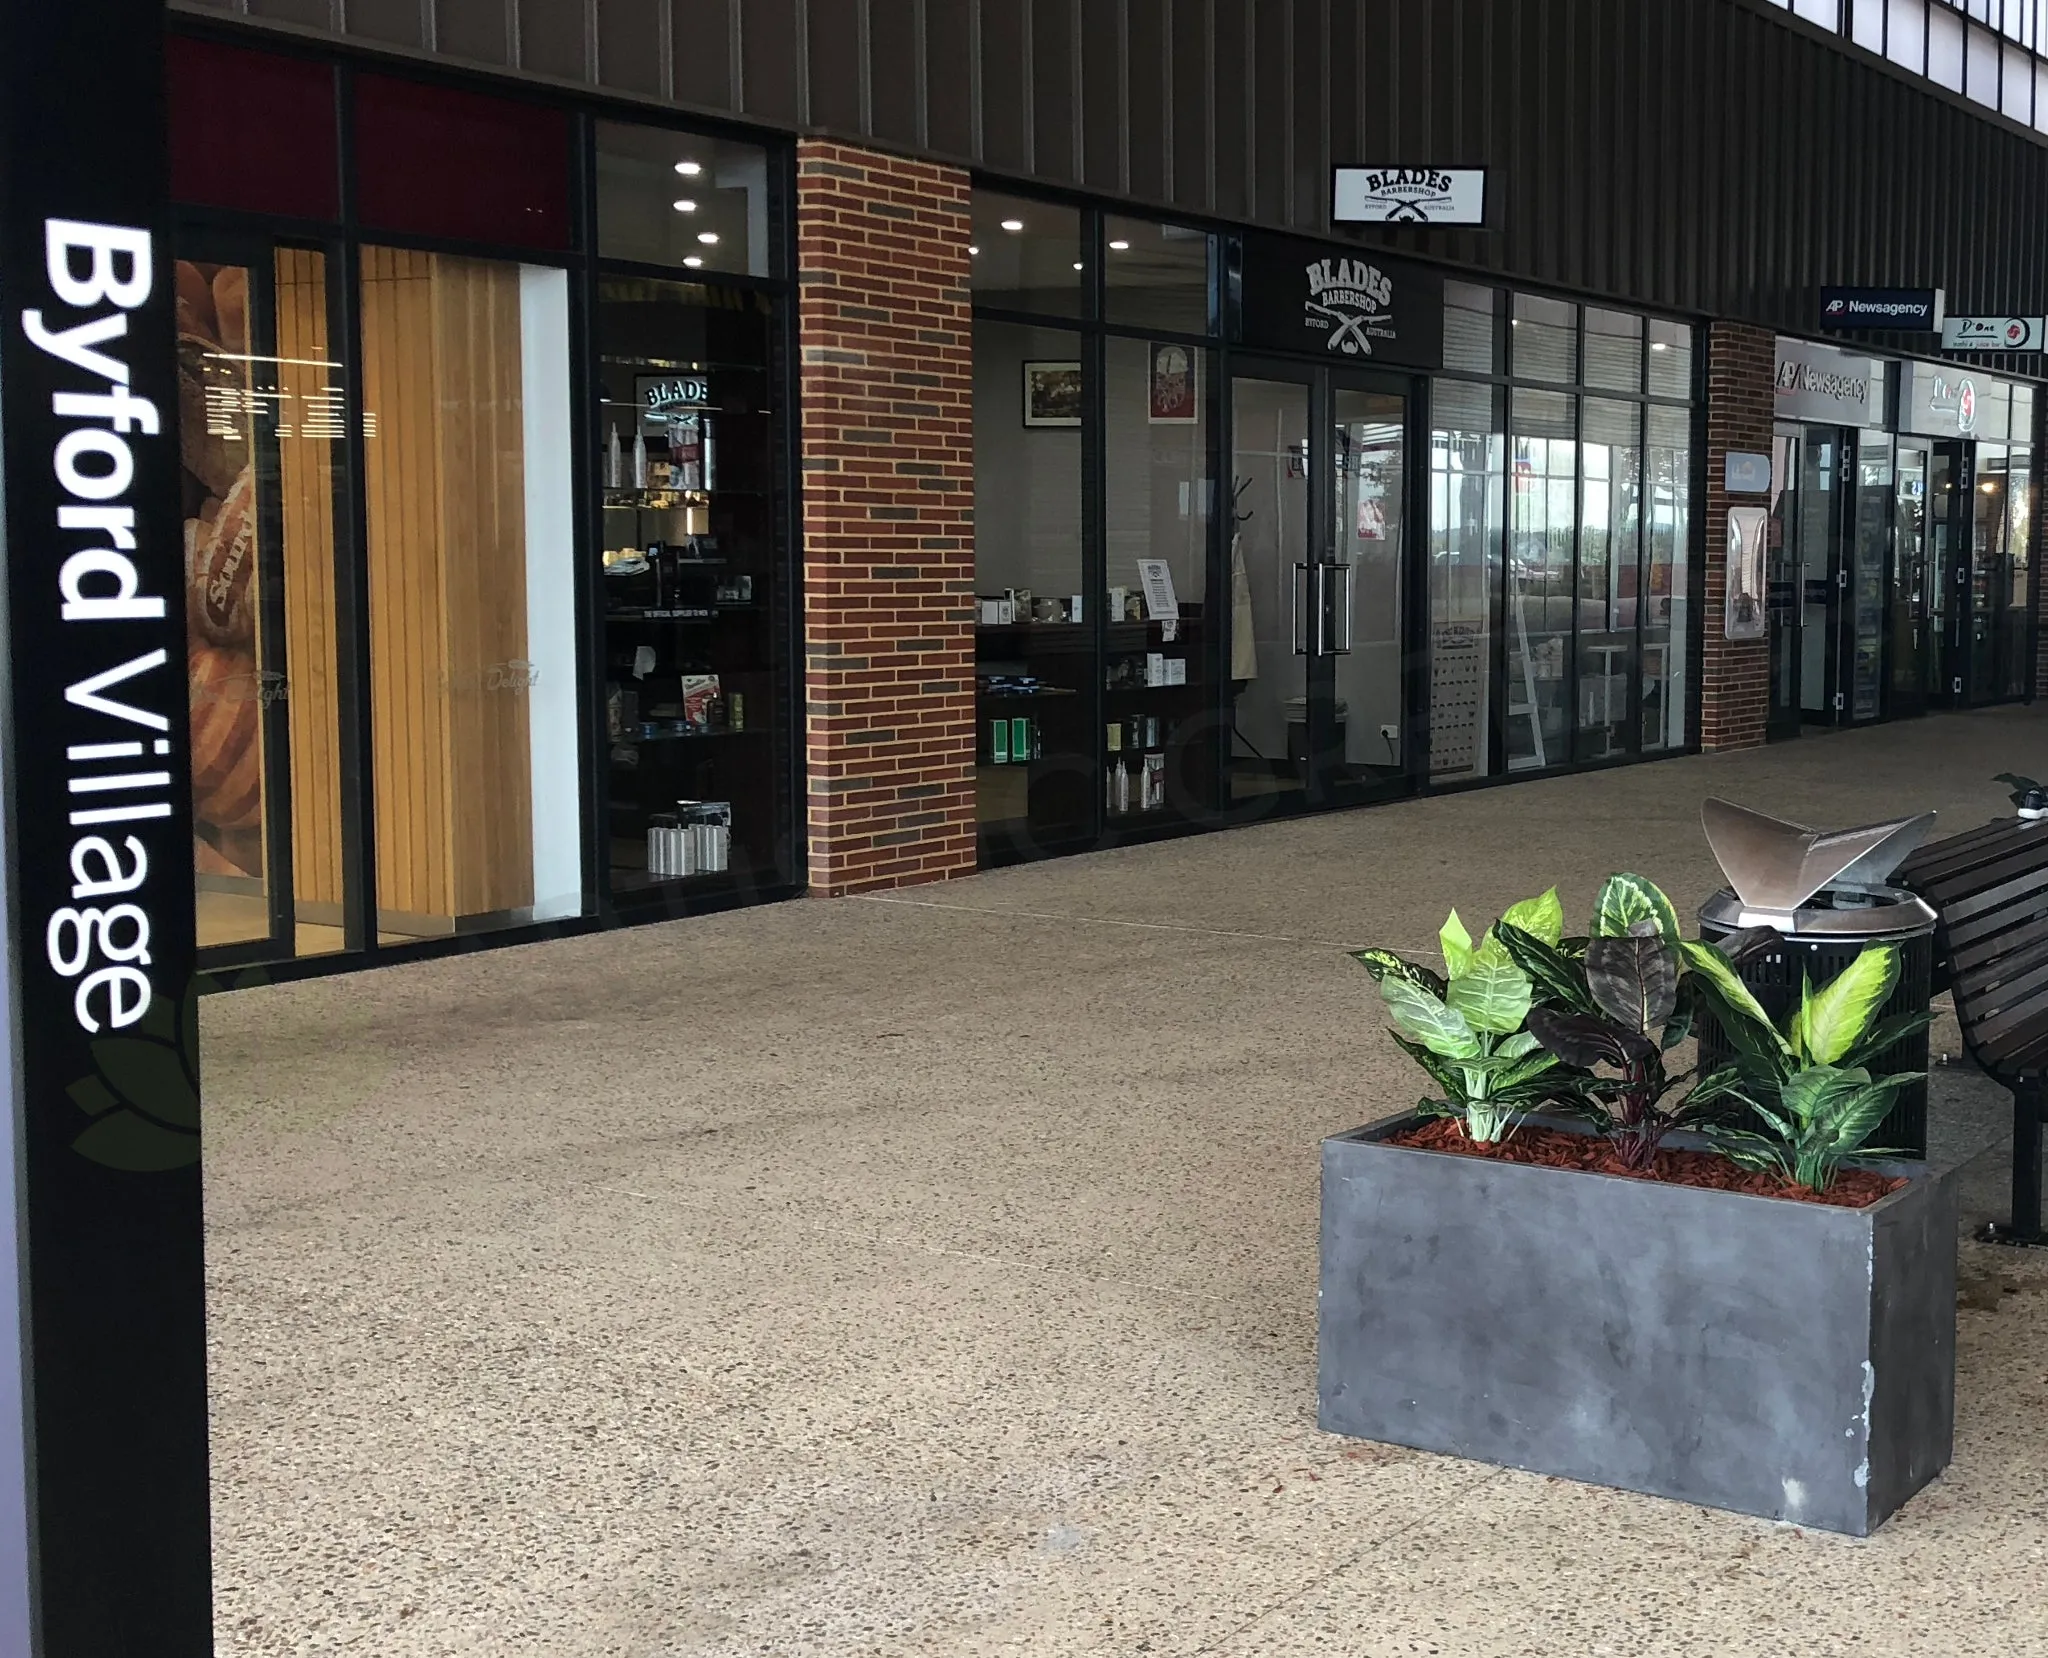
1174, 385
1052, 394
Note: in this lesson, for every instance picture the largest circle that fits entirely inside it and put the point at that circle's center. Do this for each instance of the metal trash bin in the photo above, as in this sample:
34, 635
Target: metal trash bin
1827, 892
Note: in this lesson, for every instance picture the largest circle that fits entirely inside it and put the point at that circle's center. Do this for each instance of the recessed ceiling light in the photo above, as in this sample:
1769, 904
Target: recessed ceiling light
1119, 247
708, 237
1659, 345
694, 262
971, 248
1013, 224
689, 169
1077, 264
685, 206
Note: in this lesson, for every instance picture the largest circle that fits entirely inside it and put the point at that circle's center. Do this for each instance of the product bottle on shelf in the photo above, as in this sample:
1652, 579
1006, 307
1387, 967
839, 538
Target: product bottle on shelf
639, 460
613, 459
710, 453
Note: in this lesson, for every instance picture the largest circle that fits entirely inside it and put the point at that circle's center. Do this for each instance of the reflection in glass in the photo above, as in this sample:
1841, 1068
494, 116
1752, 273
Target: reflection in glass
261, 422
1670, 359
1363, 589
471, 589
1987, 557
1867, 575
1157, 497
1025, 255
1542, 520
1035, 640
1268, 592
1667, 626
1468, 454
1614, 350
1156, 275
677, 198
1610, 460
1909, 579
1471, 328
1545, 340
2017, 589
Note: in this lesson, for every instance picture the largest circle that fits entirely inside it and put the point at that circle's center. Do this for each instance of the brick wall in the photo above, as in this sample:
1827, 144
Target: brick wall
1735, 682
887, 371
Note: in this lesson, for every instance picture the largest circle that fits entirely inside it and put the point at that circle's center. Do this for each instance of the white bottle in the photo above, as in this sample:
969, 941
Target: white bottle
639, 460
612, 459
1123, 788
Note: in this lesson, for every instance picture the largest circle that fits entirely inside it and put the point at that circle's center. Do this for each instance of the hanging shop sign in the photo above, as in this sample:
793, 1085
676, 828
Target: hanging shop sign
1991, 334
104, 1532
1829, 386
1345, 305
1938, 400
1892, 310
1408, 196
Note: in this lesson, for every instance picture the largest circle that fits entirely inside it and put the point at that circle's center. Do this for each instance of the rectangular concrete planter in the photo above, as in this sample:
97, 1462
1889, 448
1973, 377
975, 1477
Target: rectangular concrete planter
1789, 1360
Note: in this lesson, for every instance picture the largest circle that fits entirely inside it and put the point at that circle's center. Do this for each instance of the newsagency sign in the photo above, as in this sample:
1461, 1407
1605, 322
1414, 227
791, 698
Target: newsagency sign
104, 1545
1408, 196
1892, 310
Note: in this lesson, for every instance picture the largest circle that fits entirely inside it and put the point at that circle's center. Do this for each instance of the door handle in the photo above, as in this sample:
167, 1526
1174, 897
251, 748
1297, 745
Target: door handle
1348, 623
1295, 636
1319, 606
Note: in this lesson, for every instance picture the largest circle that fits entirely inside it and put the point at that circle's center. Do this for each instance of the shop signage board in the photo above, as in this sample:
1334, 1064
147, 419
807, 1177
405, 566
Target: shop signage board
1346, 305
1891, 310
104, 1534
1408, 196
1829, 386
1939, 400
1991, 334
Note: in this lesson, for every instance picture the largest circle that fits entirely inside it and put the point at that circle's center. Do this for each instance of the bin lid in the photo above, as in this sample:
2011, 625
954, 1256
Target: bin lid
1776, 867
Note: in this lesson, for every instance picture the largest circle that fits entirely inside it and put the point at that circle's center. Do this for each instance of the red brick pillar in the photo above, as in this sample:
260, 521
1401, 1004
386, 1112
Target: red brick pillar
886, 339
1735, 676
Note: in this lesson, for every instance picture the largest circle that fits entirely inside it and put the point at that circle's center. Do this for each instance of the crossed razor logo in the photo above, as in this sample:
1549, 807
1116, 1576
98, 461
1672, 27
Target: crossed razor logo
1349, 328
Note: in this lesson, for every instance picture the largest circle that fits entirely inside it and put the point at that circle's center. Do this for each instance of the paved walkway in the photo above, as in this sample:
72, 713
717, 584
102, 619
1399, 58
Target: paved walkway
936, 1275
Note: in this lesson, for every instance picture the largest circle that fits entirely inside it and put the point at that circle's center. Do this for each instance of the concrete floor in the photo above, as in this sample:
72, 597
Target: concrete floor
936, 1274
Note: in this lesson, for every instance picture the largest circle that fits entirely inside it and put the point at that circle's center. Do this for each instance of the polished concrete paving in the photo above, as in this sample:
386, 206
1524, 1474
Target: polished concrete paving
936, 1274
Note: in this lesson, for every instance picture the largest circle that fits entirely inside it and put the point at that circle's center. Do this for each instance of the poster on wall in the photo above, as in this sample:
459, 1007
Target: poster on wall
1175, 384
226, 688
1052, 394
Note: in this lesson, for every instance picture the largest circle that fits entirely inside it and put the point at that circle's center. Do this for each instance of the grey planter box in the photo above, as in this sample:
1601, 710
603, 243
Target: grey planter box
1789, 1360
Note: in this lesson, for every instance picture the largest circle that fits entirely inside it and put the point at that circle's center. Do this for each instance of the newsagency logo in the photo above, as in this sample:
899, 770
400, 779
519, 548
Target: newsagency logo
1352, 301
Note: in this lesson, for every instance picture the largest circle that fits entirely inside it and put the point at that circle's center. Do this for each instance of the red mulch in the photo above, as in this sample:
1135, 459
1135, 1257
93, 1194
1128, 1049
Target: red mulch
1554, 1148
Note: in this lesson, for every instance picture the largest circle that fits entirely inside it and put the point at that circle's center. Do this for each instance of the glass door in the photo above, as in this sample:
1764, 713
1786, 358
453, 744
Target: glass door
1948, 587
1783, 583
1910, 588
1861, 687
1357, 657
1272, 564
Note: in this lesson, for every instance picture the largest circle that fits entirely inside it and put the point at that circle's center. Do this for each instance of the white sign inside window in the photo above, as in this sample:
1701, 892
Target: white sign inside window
1409, 196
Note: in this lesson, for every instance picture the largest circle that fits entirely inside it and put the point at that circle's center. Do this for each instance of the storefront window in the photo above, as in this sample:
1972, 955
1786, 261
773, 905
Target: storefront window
1156, 275
1667, 629
1467, 478
1157, 502
693, 678
471, 589
1543, 524
1614, 350
262, 411
679, 199
1035, 643
1546, 340
1026, 255
1471, 328
1670, 359
1611, 462
2017, 590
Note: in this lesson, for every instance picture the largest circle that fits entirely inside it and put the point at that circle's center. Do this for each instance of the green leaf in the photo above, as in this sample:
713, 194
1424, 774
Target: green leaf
1437, 1026
1833, 1019
1541, 917
1626, 899
1440, 1071
1737, 1004
1522, 1042
1457, 945
1379, 963
1679, 1026
127, 1140
1635, 981
150, 1076
1886, 1033
1554, 975
1492, 992
1724, 1083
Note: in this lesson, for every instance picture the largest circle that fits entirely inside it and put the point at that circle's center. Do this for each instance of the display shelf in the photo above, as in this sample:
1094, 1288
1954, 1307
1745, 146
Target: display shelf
664, 737
1051, 693
685, 613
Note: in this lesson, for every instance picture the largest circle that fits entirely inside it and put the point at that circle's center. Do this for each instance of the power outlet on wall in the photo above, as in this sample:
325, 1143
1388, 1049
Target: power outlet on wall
1390, 732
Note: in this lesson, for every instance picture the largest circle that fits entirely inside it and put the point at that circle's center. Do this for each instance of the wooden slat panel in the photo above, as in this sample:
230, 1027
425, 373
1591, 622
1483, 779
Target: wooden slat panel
306, 462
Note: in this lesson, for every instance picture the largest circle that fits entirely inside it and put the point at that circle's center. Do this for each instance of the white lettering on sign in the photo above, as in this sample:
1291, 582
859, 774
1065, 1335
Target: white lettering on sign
1351, 299
105, 949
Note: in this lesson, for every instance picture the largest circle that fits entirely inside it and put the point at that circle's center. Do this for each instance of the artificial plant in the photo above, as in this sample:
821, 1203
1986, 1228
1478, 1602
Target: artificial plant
1464, 1027
1613, 1005
1808, 1082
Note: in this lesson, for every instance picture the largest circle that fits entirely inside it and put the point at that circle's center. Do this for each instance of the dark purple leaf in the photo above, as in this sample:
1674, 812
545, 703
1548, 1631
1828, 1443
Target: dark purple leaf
1634, 981
1586, 1039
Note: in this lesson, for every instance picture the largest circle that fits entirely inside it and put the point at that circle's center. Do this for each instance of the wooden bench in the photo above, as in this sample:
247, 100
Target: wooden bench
1989, 887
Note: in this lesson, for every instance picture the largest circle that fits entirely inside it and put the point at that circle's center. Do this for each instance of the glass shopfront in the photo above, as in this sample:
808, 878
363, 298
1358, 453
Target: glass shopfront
1900, 542
1268, 525
487, 521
